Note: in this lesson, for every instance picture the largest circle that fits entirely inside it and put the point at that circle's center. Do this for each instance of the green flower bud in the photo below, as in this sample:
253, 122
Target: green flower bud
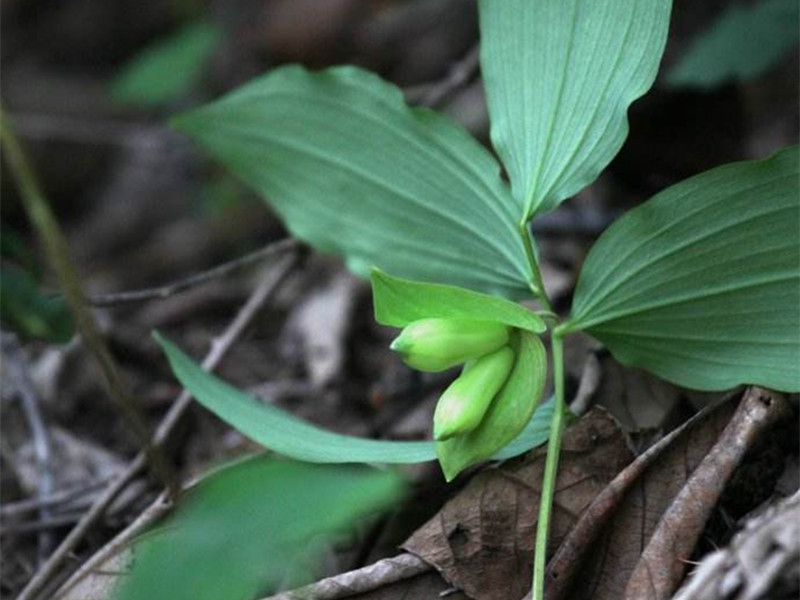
435, 345
510, 411
463, 405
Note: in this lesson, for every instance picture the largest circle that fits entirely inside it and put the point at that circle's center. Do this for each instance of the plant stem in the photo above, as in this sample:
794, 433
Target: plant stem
550, 470
556, 425
536, 283
57, 250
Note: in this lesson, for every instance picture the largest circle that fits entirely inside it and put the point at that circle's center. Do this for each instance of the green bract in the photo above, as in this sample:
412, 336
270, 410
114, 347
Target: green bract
494, 398
399, 302
435, 345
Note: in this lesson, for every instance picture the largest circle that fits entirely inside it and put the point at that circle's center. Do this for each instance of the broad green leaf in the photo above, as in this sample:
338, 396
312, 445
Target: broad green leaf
742, 44
701, 284
238, 532
165, 71
288, 435
559, 77
30, 312
507, 415
354, 171
399, 302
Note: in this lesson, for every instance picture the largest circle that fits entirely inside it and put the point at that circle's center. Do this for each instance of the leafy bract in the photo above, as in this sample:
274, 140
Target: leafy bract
352, 170
742, 44
288, 435
164, 71
510, 410
701, 284
399, 302
239, 531
559, 77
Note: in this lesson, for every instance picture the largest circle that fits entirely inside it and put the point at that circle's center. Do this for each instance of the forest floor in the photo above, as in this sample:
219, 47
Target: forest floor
142, 208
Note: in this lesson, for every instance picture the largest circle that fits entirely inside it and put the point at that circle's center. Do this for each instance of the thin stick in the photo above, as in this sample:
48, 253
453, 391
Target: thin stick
160, 507
219, 348
550, 470
58, 254
361, 581
13, 510
433, 95
81, 527
42, 525
42, 444
165, 291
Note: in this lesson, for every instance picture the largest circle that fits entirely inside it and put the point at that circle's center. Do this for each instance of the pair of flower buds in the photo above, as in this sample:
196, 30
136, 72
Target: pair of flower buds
434, 345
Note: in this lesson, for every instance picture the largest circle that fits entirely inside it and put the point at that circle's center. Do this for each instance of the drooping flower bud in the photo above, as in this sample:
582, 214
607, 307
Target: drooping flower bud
464, 404
434, 345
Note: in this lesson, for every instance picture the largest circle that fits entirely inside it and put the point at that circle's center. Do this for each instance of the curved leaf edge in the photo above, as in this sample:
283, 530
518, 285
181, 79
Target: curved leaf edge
391, 95
292, 437
594, 327
449, 302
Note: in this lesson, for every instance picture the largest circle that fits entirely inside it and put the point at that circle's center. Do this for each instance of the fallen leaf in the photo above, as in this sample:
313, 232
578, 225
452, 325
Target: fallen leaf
482, 540
662, 565
638, 399
635, 537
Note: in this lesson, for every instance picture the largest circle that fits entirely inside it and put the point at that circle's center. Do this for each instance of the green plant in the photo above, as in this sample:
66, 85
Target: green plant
166, 70
24, 308
699, 285
744, 42
29, 312
207, 550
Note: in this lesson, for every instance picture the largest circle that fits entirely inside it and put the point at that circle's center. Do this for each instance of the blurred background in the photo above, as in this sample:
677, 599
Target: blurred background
91, 86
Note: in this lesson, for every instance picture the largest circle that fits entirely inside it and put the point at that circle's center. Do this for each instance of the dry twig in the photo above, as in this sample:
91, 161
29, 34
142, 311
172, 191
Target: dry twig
219, 348
13, 510
662, 565
384, 572
434, 94
182, 285
58, 254
42, 444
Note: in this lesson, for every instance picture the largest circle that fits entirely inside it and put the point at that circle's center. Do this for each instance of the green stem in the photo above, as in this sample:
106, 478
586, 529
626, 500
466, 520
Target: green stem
556, 426
550, 470
57, 250
536, 283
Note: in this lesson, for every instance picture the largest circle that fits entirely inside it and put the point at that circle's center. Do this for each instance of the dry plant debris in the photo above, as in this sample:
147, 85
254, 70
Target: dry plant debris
763, 560
482, 540
634, 540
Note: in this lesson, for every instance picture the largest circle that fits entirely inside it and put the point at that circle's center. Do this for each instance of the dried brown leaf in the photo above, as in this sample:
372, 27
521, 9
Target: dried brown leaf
662, 565
638, 399
638, 532
482, 540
